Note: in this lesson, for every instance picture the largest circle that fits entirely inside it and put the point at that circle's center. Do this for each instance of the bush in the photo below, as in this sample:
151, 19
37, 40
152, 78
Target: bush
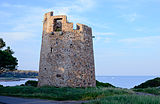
22, 85
31, 83
101, 84
1, 85
150, 83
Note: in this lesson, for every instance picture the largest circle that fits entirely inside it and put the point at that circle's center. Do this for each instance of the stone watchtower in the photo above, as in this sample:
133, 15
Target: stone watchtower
66, 58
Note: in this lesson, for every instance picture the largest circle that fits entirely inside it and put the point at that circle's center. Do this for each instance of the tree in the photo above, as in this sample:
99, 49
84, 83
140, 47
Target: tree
2, 43
7, 61
9, 50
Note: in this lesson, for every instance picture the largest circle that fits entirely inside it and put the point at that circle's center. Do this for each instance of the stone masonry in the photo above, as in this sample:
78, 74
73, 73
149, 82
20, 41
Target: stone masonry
66, 58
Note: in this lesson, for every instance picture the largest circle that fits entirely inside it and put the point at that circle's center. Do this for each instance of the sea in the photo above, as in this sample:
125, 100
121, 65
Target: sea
124, 81
118, 81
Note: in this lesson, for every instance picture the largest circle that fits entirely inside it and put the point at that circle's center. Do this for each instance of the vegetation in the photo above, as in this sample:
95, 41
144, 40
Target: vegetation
104, 93
98, 95
150, 83
20, 74
101, 84
31, 83
2, 43
64, 93
154, 90
98, 84
128, 99
7, 61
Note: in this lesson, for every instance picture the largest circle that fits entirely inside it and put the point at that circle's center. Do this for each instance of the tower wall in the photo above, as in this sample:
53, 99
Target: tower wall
66, 58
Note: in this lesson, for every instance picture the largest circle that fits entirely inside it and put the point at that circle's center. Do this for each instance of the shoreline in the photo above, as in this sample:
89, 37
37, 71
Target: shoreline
11, 79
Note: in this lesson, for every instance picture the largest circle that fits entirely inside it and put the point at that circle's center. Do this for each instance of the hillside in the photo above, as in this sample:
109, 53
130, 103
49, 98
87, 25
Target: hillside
150, 83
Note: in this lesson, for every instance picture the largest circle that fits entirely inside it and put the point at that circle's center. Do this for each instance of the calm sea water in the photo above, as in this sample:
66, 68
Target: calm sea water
118, 81
124, 81
14, 83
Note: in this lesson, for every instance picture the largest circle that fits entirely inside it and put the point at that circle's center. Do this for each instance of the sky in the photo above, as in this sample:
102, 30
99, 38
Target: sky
127, 32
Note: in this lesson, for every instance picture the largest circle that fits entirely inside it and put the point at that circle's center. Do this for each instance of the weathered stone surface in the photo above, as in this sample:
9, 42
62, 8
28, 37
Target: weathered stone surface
66, 54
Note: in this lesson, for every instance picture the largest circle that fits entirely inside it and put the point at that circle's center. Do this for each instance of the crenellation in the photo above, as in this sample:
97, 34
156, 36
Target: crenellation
49, 21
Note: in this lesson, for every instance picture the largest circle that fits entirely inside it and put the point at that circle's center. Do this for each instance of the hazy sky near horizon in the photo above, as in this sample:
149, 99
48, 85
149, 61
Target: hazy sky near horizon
127, 32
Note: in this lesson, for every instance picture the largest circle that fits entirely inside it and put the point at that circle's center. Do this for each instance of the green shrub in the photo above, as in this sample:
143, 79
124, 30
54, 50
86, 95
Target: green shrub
101, 84
22, 85
31, 83
150, 83
1, 85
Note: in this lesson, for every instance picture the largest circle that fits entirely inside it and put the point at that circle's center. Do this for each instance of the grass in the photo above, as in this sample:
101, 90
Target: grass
128, 99
97, 95
153, 90
65, 93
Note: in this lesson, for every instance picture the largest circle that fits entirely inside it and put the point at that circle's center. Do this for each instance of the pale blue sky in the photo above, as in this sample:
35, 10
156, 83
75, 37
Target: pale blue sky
127, 32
